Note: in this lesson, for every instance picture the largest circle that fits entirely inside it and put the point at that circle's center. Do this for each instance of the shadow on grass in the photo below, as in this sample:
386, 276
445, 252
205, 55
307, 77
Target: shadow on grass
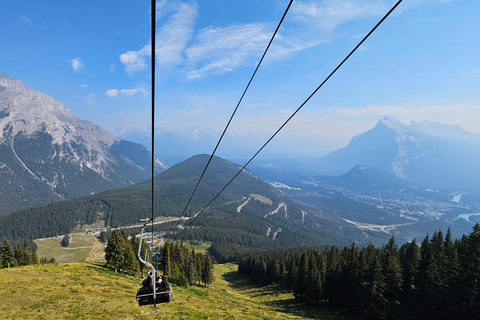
289, 305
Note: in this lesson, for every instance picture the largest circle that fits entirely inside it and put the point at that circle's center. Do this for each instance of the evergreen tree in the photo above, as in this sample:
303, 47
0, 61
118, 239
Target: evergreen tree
191, 269
302, 284
115, 252
8, 256
65, 241
135, 243
199, 265
291, 277
392, 271
20, 256
450, 295
129, 259
469, 258
259, 270
314, 288
207, 272
375, 304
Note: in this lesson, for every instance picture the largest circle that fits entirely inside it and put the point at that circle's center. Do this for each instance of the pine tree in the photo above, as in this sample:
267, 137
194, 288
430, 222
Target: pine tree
115, 252
301, 284
375, 304
392, 271
207, 272
191, 270
450, 296
291, 278
20, 255
65, 241
8, 256
314, 289
259, 270
199, 265
469, 258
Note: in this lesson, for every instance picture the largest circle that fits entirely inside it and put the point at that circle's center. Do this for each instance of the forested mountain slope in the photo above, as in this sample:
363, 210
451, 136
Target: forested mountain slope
249, 213
47, 154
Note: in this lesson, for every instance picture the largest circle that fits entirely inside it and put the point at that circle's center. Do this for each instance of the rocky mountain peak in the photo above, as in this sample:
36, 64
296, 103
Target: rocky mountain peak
45, 147
24, 110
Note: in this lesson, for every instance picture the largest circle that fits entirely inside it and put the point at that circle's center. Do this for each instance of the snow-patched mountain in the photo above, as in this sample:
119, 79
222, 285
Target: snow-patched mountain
48, 154
426, 153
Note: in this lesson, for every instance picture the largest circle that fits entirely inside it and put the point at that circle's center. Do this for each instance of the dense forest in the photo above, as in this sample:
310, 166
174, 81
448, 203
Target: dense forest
182, 266
440, 279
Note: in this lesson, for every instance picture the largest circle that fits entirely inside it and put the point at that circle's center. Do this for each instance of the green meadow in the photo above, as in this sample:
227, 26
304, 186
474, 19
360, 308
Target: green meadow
82, 290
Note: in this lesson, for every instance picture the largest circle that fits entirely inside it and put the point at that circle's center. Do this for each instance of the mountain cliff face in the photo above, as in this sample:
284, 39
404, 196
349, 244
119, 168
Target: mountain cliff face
427, 153
47, 154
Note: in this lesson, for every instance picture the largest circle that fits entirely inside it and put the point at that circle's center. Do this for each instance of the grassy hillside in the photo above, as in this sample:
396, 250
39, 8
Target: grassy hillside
90, 291
82, 248
88, 248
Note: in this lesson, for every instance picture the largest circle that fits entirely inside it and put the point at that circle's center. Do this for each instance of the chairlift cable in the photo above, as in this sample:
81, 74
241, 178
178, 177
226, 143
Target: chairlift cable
152, 47
298, 109
233, 114
153, 18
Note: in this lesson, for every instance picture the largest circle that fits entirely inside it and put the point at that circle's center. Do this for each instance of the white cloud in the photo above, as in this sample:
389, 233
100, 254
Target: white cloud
91, 99
131, 92
328, 14
221, 49
135, 60
77, 64
26, 21
84, 85
171, 38
113, 93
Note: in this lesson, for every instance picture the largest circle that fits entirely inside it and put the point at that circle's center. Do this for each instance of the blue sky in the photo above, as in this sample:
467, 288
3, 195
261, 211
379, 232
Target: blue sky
93, 56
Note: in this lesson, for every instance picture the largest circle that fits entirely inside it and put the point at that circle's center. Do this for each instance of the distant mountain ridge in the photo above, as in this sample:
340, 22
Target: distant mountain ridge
367, 179
48, 154
427, 153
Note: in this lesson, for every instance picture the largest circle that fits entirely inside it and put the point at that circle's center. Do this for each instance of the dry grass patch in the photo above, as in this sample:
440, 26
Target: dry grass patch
262, 199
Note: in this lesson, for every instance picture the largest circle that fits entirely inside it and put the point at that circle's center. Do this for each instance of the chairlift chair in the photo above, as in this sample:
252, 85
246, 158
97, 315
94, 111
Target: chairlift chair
151, 294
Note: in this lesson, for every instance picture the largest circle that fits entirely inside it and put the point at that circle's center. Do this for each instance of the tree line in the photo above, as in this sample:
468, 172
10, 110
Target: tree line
181, 265
440, 279
21, 254
184, 266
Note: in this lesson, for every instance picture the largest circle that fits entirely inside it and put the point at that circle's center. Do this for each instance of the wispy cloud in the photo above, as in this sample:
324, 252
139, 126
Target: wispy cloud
26, 21
91, 99
328, 14
135, 60
113, 93
220, 50
112, 68
76, 64
84, 85
171, 38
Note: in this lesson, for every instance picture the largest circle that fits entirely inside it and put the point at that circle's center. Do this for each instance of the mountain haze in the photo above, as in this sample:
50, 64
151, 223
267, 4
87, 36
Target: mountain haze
48, 154
426, 153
